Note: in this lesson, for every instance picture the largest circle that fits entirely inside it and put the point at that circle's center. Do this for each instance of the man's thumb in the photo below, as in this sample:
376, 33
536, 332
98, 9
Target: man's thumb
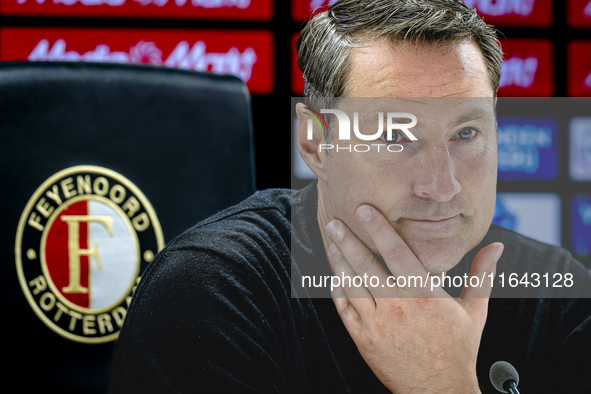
482, 273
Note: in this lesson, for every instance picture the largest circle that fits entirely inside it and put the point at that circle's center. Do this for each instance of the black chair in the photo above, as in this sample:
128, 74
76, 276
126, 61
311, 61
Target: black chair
82, 143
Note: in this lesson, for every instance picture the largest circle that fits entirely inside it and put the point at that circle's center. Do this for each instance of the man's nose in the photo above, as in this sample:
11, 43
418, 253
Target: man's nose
436, 175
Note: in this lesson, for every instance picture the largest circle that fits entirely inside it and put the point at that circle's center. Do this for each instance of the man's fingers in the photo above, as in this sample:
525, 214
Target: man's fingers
351, 291
479, 284
349, 315
359, 258
395, 252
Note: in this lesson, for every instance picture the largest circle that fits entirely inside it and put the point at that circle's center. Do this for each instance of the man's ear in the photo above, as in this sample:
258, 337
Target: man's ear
309, 148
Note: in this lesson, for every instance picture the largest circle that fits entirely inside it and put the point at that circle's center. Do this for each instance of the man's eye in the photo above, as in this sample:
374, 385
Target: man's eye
466, 134
396, 137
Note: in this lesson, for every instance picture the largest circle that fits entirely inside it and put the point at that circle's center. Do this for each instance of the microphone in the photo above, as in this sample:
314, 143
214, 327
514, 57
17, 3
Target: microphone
504, 377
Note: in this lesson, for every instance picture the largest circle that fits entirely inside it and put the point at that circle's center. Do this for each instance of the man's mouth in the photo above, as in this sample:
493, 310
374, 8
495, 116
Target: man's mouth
432, 219
432, 223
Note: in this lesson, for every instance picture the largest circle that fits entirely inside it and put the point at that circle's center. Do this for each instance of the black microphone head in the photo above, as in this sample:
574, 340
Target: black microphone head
501, 372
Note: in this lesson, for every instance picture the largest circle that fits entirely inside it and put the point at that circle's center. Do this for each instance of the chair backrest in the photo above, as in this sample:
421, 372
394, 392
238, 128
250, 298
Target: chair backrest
100, 166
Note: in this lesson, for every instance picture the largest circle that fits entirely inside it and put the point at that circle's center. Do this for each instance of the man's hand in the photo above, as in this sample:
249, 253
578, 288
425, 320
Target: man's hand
415, 340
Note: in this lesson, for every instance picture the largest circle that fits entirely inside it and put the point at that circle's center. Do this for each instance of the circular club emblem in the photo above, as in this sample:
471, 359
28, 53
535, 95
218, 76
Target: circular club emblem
82, 241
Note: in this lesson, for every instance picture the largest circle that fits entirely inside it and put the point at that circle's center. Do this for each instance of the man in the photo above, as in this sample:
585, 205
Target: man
223, 306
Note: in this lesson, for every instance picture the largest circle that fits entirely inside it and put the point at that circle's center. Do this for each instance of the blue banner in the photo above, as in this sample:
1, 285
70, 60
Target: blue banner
581, 224
535, 215
528, 149
579, 155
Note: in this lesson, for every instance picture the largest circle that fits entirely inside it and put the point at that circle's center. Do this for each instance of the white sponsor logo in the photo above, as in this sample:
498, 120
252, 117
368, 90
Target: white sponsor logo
145, 52
183, 56
502, 7
588, 81
115, 3
519, 72
587, 9
201, 3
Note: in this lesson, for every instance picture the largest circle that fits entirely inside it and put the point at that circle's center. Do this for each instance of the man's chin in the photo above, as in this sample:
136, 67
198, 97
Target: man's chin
439, 255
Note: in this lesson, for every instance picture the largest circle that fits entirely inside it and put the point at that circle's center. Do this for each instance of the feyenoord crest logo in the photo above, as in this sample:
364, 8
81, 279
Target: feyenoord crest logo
82, 241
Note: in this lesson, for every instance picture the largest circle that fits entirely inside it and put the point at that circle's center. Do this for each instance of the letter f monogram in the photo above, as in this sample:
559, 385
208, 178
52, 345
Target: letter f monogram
74, 251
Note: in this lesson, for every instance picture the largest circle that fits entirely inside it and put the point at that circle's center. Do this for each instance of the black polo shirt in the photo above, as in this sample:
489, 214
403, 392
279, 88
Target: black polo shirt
214, 312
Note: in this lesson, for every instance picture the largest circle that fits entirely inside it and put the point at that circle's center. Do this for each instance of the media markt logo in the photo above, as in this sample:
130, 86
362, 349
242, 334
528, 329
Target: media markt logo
82, 241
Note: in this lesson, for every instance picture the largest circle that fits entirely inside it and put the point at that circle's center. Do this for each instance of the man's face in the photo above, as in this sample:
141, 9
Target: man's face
439, 192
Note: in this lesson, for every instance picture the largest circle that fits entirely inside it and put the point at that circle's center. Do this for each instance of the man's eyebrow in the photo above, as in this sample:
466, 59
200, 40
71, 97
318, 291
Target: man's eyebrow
476, 113
401, 120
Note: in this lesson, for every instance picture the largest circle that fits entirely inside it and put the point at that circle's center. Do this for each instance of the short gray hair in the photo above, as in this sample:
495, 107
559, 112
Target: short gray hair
325, 43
